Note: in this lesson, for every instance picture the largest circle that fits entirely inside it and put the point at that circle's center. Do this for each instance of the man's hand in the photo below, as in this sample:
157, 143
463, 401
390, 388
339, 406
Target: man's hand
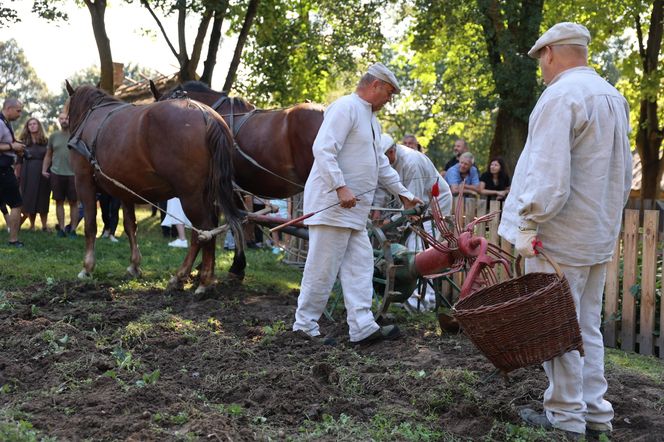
346, 197
526, 239
46, 174
18, 148
409, 204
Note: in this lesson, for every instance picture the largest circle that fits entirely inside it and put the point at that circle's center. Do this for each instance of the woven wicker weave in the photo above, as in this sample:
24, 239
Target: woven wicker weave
523, 321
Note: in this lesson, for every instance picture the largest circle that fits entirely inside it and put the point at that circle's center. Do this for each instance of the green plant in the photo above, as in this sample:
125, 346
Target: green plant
21, 431
274, 329
149, 379
5, 304
124, 359
55, 345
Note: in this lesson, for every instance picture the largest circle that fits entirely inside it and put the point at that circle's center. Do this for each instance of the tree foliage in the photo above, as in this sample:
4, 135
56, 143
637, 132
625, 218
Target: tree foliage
305, 49
19, 80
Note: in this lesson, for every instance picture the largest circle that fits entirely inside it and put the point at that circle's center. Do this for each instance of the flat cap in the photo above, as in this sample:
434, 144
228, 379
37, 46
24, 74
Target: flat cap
386, 142
564, 33
381, 72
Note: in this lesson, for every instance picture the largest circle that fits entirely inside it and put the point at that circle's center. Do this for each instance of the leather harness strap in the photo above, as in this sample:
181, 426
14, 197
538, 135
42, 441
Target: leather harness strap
236, 130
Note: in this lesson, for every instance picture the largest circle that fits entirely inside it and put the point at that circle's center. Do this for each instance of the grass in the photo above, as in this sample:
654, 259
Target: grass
49, 259
648, 366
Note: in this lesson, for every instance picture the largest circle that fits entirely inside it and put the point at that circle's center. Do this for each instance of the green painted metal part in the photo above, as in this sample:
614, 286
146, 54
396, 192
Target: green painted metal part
405, 278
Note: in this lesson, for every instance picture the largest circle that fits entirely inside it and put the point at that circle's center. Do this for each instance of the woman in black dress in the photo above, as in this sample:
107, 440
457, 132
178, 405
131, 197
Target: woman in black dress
495, 182
35, 189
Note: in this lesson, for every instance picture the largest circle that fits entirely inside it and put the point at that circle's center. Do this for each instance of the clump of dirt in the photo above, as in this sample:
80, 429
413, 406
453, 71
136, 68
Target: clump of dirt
85, 361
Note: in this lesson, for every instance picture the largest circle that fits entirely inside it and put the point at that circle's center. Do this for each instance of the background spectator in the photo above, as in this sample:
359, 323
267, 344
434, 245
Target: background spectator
460, 147
62, 178
495, 182
9, 150
110, 215
176, 217
464, 172
409, 140
35, 188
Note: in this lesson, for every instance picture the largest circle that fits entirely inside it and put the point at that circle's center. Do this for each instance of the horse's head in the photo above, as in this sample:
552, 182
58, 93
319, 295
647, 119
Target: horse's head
80, 100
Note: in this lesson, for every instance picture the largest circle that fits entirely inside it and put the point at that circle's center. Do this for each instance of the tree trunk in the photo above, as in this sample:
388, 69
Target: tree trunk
241, 40
509, 33
213, 45
97, 10
649, 134
509, 138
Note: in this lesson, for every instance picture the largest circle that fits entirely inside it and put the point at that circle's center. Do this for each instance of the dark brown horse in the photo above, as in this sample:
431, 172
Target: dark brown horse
176, 148
273, 154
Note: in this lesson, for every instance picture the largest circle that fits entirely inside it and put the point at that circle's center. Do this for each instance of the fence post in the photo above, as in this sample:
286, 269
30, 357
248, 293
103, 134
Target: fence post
611, 293
648, 272
630, 244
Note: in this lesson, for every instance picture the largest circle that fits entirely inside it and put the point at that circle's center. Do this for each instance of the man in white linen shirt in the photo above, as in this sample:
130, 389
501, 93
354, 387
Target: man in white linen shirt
419, 175
570, 185
348, 165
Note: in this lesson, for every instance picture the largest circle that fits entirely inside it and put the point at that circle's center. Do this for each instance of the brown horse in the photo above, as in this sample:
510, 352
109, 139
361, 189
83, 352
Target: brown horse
176, 148
272, 156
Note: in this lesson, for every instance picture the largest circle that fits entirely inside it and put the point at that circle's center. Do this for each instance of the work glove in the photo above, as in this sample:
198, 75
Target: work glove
526, 239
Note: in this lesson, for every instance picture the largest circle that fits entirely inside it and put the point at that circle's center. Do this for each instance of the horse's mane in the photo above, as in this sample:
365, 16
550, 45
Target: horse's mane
200, 87
83, 99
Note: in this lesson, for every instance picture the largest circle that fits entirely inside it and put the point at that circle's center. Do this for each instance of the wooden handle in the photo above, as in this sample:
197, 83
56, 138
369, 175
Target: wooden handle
554, 264
291, 222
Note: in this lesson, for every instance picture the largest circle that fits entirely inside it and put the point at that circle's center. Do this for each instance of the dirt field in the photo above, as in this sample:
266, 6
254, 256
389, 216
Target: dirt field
89, 362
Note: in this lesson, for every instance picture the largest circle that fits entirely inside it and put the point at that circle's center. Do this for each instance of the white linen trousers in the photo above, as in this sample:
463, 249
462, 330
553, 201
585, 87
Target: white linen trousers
337, 251
574, 399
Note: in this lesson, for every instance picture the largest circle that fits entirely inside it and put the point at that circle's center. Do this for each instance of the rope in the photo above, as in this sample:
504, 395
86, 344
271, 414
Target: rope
203, 235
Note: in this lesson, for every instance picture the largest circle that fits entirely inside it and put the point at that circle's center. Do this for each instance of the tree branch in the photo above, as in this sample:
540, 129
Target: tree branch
161, 27
242, 38
198, 41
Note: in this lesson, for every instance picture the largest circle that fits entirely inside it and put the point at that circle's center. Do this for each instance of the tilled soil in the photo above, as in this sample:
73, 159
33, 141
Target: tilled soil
88, 362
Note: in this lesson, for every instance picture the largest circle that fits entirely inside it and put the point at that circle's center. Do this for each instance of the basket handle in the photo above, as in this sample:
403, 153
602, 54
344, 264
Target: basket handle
554, 264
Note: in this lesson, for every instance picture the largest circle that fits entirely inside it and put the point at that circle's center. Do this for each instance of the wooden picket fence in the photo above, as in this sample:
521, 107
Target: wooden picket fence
633, 312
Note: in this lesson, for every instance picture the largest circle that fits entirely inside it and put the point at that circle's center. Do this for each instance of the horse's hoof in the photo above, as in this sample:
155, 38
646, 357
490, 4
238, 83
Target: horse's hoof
83, 274
174, 284
201, 290
238, 277
134, 272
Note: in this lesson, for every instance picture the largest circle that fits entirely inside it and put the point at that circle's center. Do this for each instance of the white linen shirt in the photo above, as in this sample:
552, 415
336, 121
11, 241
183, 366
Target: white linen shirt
418, 174
347, 152
574, 175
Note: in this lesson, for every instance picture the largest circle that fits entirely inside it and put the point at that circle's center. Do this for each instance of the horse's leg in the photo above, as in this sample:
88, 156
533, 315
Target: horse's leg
85, 189
239, 263
130, 226
177, 281
206, 274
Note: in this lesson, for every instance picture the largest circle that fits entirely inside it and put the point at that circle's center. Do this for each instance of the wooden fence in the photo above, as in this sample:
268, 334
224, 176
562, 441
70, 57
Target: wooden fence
633, 312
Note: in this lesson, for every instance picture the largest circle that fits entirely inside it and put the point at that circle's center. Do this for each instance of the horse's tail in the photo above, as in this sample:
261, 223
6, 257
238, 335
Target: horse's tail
220, 177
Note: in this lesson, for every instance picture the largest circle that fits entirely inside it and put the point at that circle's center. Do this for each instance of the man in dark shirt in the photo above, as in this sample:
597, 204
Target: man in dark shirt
9, 149
460, 146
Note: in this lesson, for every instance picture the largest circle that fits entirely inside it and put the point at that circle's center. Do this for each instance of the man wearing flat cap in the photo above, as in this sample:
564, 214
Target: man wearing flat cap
570, 186
348, 165
419, 175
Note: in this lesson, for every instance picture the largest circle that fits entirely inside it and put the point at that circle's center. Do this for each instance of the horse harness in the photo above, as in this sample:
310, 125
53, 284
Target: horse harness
236, 130
79, 145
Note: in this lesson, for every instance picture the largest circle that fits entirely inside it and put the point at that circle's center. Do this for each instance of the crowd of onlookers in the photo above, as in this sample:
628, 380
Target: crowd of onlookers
494, 183
35, 168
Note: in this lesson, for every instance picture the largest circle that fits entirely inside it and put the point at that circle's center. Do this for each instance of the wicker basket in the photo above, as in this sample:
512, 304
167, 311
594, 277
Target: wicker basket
523, 321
